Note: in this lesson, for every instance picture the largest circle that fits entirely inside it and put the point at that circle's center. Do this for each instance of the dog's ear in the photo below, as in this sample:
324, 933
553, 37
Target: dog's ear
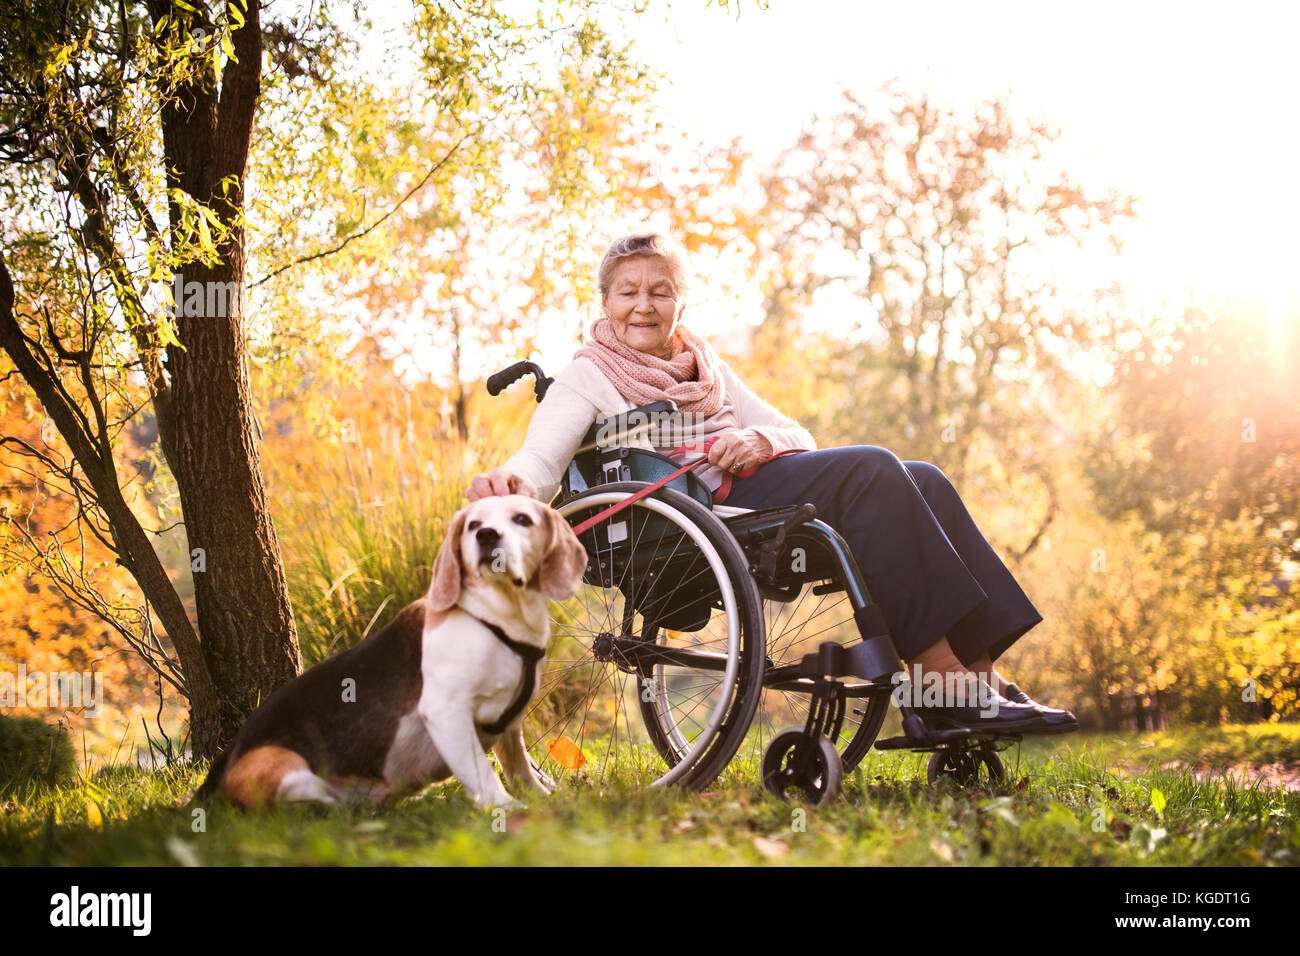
565, 560
444, 592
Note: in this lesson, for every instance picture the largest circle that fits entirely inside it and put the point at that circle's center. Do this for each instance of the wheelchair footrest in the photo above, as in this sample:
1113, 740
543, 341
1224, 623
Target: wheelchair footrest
947, 737
932, 740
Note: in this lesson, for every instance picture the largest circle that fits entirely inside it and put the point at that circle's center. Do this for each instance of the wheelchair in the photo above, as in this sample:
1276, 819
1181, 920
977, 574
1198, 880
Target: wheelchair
700, 628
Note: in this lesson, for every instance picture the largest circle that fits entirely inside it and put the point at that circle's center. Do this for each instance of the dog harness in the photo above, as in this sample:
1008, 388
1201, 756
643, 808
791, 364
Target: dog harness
529, 655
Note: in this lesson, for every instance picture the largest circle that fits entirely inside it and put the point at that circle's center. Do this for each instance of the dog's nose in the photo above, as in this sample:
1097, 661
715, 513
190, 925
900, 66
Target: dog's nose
487, 537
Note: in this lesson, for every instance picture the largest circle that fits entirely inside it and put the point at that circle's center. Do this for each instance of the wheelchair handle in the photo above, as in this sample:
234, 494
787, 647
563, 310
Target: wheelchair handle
499, 381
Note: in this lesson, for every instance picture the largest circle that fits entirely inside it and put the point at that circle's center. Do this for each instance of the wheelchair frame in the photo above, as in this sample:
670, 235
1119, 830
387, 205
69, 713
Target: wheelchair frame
799, 761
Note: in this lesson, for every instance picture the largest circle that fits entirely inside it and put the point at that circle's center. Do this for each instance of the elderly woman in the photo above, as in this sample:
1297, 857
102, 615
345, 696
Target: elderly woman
951, 605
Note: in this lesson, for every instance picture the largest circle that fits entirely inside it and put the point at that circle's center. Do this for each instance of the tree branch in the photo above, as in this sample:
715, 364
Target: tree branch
133, 546
241, 83
142, 327
373, 226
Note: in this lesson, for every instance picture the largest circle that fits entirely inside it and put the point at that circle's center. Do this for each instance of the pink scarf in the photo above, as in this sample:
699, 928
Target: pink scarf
690, 378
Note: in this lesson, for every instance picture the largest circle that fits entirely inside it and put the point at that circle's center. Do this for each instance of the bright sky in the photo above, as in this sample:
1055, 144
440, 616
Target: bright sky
1191, 106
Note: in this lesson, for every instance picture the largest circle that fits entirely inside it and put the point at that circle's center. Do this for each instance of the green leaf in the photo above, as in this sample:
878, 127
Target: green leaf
167, 334
1158, 801
205, 235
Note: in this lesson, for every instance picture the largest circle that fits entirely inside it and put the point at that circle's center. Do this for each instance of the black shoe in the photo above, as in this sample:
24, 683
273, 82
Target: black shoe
1008, 716
1056, 720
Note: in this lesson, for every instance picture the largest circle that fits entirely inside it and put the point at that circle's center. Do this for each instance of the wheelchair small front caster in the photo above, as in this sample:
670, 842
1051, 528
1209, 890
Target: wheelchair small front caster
817, 780
967, 767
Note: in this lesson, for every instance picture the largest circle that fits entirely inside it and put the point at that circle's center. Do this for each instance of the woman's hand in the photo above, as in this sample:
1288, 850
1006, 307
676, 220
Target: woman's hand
498, 481
739, 450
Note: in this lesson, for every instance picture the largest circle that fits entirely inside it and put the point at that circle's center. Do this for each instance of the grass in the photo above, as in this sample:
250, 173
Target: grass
1086, 800
1214, 748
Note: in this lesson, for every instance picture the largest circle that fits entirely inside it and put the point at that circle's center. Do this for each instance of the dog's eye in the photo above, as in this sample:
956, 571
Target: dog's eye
473, 525
523, 520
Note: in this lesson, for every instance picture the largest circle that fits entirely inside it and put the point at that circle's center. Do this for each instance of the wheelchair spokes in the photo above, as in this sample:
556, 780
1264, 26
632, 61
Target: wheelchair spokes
651, 673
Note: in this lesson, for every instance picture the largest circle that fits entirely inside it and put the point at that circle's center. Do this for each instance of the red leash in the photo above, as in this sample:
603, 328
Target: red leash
648, 489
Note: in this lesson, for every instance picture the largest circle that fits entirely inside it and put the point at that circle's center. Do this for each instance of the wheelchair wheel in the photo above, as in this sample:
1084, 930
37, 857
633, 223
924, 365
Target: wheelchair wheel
967, 767
782, 777
655, 666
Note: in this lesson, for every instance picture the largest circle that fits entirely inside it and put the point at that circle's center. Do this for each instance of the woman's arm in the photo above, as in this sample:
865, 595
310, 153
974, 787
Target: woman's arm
763, 433
760, 419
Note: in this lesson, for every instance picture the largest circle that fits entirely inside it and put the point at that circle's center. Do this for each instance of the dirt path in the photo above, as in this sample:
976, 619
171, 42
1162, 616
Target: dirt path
1284, 776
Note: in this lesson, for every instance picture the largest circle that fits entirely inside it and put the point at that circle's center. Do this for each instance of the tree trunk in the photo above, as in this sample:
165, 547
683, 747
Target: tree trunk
458, 383
1113, 715
240, 591
248, 635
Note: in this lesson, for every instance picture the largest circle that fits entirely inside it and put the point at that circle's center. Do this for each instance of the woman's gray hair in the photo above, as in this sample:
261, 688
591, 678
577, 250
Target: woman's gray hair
645, 244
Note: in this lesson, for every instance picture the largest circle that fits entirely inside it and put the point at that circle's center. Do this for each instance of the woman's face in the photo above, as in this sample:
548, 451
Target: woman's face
642, 305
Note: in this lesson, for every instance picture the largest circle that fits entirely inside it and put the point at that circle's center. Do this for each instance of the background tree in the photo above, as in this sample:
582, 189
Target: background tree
925, 238
469, 279
1201, 450
70, 606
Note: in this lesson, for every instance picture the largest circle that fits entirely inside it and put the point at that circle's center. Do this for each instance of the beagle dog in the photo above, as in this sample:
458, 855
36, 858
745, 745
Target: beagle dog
427, 696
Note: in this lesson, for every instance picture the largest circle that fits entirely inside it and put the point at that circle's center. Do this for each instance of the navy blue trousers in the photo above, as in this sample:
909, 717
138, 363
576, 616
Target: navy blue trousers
927, 566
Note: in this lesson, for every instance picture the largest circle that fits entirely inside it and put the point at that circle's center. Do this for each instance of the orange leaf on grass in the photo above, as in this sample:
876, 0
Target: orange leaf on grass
566, 753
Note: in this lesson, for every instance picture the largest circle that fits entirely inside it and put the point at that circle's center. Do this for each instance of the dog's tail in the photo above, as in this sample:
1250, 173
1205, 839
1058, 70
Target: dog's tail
213, 780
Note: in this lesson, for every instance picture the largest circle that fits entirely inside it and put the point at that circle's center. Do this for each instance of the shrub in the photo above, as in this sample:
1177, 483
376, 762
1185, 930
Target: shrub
34, 752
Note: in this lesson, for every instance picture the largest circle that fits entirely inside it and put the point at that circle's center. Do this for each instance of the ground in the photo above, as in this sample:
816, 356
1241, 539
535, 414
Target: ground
1175, 798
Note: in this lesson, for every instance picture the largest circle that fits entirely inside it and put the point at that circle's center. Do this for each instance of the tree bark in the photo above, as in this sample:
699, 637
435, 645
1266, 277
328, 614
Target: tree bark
249, 640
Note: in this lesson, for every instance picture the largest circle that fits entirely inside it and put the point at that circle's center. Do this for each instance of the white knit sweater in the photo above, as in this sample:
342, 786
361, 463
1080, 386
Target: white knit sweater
581, 392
